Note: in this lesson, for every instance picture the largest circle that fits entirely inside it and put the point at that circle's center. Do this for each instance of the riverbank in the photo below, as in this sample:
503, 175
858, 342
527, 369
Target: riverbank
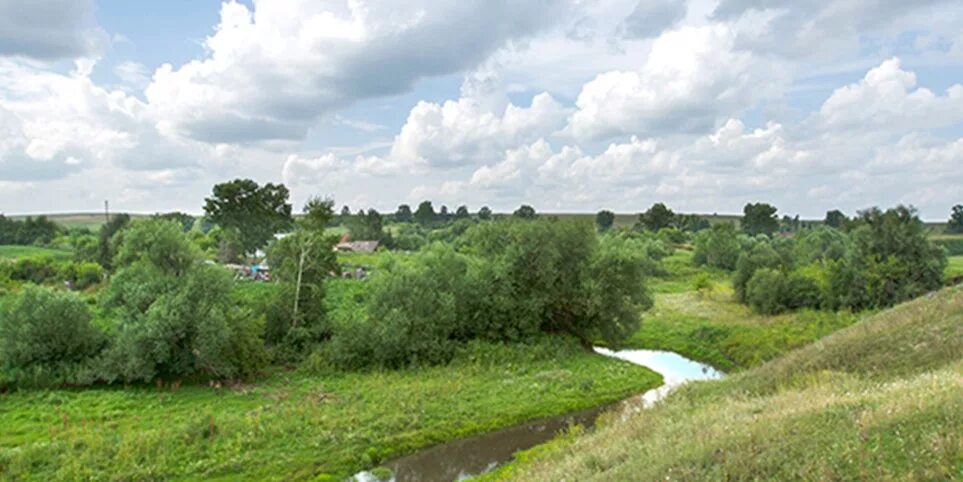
302, 424
880, 400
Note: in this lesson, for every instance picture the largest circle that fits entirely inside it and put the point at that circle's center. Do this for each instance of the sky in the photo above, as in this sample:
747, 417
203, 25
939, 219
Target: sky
566, 105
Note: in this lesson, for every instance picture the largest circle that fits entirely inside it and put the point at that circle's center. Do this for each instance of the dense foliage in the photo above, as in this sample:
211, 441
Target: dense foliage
301, 262
46, 337
30, 231
718, 247
955, 224
885, 259
509, 281
174, 315
254, 212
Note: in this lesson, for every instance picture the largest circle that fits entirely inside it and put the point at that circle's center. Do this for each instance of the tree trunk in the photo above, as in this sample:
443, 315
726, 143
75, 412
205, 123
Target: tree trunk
297, 286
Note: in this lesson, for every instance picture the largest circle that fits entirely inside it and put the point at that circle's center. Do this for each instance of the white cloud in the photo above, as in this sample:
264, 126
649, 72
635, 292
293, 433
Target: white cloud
691, 79
463, 132
887, 98
49, 29
272, 71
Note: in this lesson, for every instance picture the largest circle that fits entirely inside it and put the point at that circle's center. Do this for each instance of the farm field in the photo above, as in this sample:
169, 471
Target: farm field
880, 400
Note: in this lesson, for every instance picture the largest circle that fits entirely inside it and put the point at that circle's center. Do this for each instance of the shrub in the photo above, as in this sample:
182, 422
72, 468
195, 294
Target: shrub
46, 336
176, 317
771, 291
717, 247
765, 291
414, 313
761, 255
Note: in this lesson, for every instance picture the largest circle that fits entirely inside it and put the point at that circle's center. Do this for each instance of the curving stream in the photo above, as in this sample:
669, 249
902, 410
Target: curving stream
461, 459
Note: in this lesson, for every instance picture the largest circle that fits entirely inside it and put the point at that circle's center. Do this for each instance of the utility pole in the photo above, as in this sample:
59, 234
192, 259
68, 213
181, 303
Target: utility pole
106, 212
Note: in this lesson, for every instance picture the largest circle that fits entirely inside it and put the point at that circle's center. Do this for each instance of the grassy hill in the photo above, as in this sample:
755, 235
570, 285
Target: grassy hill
879, 400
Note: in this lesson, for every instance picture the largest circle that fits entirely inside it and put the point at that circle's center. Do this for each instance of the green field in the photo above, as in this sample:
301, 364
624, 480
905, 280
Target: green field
954, 268
881, 400
297, 425
14, 252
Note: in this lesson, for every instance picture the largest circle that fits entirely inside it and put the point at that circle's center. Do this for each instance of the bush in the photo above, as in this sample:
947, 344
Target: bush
761, 255
46, 337
718, 247
415, 312
771, 291
176, 317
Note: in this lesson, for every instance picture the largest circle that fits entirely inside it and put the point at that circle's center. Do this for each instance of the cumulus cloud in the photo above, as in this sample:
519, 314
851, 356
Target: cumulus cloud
691, 79
272, 71
888, 98
49, 29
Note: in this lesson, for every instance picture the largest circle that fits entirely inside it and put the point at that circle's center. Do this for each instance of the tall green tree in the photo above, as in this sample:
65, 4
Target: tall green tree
425, 214
604, 220
955, 224
301, 262
657, 217
462, 212
403, 214
525, 212
485, 213
105, 251
255, 212
835, 219
759, 218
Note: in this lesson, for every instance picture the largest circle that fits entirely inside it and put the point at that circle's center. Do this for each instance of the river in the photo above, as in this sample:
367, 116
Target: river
463, 458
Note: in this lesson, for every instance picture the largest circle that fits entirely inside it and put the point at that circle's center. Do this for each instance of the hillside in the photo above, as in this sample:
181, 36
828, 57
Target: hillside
880, 400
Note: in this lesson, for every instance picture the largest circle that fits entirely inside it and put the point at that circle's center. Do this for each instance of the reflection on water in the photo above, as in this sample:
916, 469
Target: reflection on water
460, 459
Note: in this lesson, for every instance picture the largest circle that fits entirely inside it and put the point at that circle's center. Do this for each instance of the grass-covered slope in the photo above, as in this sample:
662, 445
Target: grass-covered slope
880, 400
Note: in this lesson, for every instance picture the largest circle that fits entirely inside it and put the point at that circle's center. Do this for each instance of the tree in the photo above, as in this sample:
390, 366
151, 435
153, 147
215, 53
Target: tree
835, 219
345, 212
657, 217
717, 247
525, 212
368, 226
759, 218
301, 262
485, 213
403, 214
892, 260
175, 315
107, 231
462, 212
955, 224
761, 255
255, 212
692, 223
604, 220
443, 213
318, 212
425, 214
185, 220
